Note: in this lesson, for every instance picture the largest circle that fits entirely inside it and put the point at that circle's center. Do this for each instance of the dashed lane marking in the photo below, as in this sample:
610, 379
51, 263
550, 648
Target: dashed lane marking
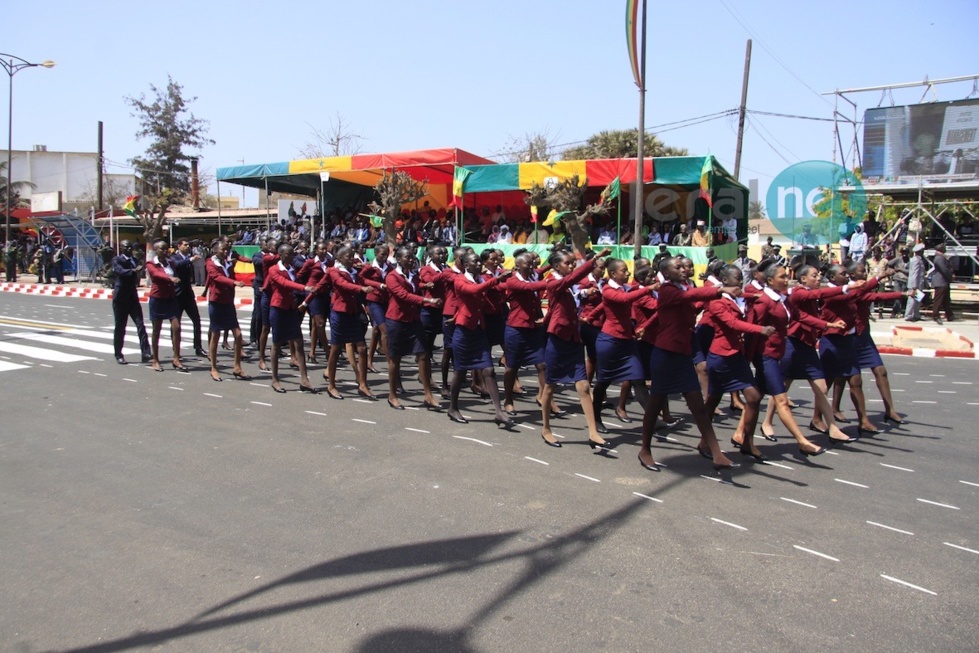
100, 374
259, 385
798, 503
416, 430
173, 387
840, 480
923, 402
970, 483
131, 380
774, 464
962, 548
587, 478
261, 403
362, 421
637, 494
210, 394
947, 392
961, 382
890, 528
924, 381
907, 584
84, 372
534, 460
816, 553
363, 401
940, 505
462, 437
727, 523
524, 426
900, 469
313, 412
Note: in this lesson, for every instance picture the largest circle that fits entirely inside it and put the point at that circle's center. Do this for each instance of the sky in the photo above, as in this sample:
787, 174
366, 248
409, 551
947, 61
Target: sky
475, 75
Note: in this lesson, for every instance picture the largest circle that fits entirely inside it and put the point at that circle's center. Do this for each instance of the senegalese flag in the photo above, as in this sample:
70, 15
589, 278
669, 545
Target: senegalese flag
533, 213
130, 206
553, 217
458, 185
377, 221
632, 39
705, 174
612, 191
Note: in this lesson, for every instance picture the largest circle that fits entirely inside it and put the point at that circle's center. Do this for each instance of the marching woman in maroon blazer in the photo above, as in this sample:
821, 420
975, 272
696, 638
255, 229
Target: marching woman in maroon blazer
671, 363
405, 332
591, 314
447, 280
221, 285
286, 317
269, 260
523, 342
618, 354
867, 355
316, 268
470, 342
376, 300
769, 309
727, 367
432, 286
346, 327
164, 304
564, 351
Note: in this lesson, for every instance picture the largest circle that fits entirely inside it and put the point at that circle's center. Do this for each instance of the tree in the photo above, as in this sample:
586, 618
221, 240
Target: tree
170, 126
620, 144
565, 197
537, 146
756, 210
396, 190
337, 140
16, 189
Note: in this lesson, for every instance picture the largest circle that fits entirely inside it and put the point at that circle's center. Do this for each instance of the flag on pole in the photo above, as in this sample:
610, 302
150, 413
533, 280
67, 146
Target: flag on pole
130, 206
458, 185
553, 217
632, 39
612, 191
533, 213
705, 175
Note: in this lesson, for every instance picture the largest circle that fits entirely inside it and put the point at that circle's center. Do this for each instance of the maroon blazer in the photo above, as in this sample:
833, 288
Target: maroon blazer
646, 317
562, 313
406, 301
220, 286
864, 302
283, 289
590, 309
346, 294
306, 271
268, 262
525, 302
447, 278
162, 286
374, 277
678, 314
729, 327
844, 307
429, 275
470, 301
617, 304
807, 325
765, 311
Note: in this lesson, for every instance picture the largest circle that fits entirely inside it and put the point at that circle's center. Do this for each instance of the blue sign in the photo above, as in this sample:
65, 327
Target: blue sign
806, 205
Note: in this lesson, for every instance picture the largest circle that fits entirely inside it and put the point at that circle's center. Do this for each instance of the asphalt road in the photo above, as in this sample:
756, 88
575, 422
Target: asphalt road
146, 511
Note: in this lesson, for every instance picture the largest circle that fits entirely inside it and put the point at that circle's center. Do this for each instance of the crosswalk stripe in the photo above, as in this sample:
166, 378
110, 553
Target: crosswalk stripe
43, 354
6, 367
96, 347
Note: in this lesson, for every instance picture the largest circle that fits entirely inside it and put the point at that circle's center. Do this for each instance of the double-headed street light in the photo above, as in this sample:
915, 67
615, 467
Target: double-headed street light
13, 65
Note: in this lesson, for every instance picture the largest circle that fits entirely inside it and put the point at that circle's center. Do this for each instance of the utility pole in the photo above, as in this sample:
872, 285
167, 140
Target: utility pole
741, 111
101, 164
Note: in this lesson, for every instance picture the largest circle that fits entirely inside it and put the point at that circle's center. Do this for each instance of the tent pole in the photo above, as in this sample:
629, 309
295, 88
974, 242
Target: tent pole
268, 218
618, 229
637, 230
219, 209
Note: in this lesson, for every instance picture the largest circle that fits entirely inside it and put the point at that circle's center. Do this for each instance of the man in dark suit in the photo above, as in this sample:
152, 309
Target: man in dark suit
182, 262
255, 329
125, 302
941, 279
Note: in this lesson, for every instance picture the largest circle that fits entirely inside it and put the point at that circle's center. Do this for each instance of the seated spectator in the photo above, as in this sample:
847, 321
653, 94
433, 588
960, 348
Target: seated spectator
655, 237
701, 237
682, 238
607, 235
730, 227
505, 236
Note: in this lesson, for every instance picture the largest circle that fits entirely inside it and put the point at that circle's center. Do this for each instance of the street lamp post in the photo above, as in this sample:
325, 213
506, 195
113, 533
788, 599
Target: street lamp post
13, 65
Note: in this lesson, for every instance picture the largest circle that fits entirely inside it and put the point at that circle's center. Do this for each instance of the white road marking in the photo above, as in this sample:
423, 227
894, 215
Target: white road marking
208, 394
461, 437
131, 380
99, 374
774, 464
363, 421
897, 389
173, 387
938, 375
260, 385
727, 523
902, 469
924, 381
587, 478
313, 412
7, 367
534, 460
890, 528
74, 343
956, 546
646, 497
816, 553
529, 428
947, 392
901, 373
43, 354
961, 382
923, 402
798, 503
709, 478
970, 483
972, 403
83, 372
261, 403
416, 430
907, 584
832, 453
840, 480
46, 365
940, 505
364, 401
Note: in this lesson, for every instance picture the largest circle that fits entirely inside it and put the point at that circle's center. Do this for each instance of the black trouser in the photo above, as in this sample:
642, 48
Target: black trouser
941, 301
11, 271
188, 305
124, 308
255, 329
897, 309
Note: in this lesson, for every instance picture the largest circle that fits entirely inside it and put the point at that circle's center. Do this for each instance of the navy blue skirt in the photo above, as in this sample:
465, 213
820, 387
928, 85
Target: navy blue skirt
704, 335
223, 317
589, 336
376, 310
448, 332
565, 361
346, 328
867, 355
768, 376
523, 347
671, 373
618, 360
164, 309
645, 351
470, 349
801, 361
496, 328
728, 373
432, 323
697, 355
286, 325
404, 338
266, 308
320, 305
838, 354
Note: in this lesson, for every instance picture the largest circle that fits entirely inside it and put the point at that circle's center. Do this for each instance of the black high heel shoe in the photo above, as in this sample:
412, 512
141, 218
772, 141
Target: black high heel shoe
815, 429
458, 420
601, 428
871, 432
604, 447
897, 422
241, 376
720, 467
308, 388
180, 368
433, 407
624, 420
841, 441
368, 397
337, 396
555, 444
395, 406
511, 412
746, 451
809, 454
507, 423
706, 454
653, 468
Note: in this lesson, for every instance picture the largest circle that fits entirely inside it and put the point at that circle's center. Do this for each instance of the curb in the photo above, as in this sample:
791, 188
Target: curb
48, 290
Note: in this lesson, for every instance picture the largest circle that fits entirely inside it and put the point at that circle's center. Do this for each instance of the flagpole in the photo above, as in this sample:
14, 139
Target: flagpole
618, 233
637, 230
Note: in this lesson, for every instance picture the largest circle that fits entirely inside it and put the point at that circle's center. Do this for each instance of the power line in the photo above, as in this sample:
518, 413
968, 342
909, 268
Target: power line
789, 115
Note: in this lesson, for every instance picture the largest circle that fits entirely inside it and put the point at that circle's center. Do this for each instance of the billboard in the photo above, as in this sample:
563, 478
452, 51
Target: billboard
937, 140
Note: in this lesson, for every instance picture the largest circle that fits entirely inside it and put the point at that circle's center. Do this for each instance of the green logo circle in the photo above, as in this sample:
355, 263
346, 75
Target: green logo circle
815, 202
